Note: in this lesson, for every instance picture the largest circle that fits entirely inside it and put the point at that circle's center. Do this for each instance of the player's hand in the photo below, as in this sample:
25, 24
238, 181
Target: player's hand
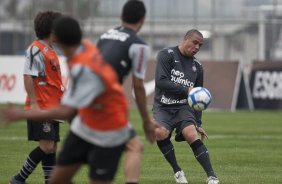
189, 89
149, 129
10, 114
203, 133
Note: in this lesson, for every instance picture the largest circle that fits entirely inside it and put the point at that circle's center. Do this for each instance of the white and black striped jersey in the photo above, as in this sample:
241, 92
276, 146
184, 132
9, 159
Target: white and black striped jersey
124, 51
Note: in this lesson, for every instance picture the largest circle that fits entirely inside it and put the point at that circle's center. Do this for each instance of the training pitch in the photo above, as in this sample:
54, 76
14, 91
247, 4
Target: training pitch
245, 147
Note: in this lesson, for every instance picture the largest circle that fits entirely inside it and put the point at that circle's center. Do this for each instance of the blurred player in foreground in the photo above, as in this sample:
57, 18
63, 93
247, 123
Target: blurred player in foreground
178, 71
43, 84
100, 130
125, 51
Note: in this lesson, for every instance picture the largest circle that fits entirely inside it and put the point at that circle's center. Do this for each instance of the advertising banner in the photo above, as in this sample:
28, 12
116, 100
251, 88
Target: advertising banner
266, 85
222, 78
11, 78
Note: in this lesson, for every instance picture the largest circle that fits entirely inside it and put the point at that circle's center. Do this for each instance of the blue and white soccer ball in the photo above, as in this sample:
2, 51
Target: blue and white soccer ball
199, 98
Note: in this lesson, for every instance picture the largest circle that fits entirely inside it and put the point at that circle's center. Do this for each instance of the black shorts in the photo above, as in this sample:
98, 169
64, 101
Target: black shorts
43, 130
176, 119
103, 162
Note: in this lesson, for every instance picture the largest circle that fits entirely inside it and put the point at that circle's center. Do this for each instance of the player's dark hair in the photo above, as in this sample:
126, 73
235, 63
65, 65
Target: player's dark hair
193, 31
43, 23
67, 31
133, 11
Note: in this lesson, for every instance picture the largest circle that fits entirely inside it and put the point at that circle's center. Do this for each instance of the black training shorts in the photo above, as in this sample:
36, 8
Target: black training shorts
102, 161
175, 119
43, 130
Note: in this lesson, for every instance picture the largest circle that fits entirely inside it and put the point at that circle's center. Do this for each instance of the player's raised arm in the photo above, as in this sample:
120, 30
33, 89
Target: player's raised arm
163, 74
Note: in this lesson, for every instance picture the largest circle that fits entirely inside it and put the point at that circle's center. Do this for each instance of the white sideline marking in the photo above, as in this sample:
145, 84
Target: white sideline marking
215, 136
12, 138
263, 137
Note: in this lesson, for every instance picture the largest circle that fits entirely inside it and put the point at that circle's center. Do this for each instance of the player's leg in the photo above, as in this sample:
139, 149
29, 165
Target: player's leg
48, 143
103, 163
35, 132
49, 161
200, 151
163, 132
133, 156
165, 145
64, 174
73, 154
33, 159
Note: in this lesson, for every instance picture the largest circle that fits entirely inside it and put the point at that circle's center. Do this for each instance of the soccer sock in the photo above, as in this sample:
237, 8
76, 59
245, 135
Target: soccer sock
48, 164
167, 149
30, 164
202, 155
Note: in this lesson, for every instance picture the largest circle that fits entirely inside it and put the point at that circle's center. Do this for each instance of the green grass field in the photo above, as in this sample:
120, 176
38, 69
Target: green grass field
245, 148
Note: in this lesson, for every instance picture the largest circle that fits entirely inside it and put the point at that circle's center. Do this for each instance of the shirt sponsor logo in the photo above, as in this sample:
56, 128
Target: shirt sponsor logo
166, 100
170, 51
55, 66
178, 77
267, 85
42, 83
113, 34
45, 50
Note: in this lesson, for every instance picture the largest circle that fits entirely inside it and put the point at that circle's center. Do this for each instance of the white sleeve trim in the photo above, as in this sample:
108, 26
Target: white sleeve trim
38, 65
139, 54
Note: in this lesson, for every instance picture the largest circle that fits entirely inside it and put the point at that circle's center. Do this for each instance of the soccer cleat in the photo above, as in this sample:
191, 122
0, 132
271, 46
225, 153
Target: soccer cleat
180, 177
212, 180
15, 181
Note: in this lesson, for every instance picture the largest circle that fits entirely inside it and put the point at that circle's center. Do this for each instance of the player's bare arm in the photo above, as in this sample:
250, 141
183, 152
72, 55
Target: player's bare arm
29, 87
140, 95
12, 114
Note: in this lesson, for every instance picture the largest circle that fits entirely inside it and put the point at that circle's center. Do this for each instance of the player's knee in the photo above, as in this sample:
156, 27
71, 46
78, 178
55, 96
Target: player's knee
190, 133
135, 145
48, 147
161, 133
139, 147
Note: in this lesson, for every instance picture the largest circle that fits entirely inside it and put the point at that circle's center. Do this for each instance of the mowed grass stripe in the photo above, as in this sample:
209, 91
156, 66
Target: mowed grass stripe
245, 148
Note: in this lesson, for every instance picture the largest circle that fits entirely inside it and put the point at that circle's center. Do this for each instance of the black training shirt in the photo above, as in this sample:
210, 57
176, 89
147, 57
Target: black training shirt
124, 50
174, 74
